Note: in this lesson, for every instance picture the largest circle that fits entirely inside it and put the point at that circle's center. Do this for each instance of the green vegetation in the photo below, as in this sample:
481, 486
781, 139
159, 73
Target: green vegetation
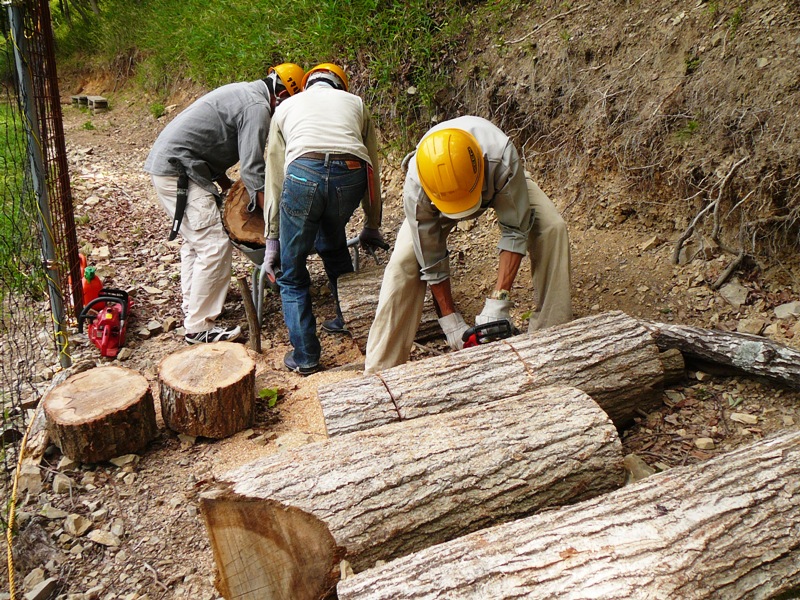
270, 395
15, 220
157, 109
688, 130
735, 21
391, 45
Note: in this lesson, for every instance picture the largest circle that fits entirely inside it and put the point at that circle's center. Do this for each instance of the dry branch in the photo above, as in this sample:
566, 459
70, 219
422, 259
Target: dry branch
748, 353
392, 490
726, 528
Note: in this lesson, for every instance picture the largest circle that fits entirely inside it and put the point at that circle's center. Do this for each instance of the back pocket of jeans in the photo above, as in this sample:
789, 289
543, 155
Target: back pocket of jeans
349, 197
297, 195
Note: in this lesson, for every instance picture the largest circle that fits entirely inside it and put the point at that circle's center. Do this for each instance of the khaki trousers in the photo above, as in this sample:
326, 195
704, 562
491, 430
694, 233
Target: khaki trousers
206, 253
402, 294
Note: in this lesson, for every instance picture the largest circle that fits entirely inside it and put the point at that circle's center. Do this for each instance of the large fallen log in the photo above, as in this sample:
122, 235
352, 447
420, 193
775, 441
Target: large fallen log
610, 356
281, 524
749, 354
727, 528
358, 298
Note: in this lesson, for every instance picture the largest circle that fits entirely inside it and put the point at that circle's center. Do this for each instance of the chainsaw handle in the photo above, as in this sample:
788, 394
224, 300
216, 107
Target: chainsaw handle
84, 314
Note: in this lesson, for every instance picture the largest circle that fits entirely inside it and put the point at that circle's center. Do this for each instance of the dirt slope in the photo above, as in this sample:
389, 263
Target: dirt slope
596, 95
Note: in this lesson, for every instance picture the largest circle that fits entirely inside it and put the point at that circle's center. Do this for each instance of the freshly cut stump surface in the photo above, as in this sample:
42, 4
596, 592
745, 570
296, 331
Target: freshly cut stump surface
208, 390
101, 413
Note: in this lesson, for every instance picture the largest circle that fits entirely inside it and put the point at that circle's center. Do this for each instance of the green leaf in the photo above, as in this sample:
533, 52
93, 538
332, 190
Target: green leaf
270, 395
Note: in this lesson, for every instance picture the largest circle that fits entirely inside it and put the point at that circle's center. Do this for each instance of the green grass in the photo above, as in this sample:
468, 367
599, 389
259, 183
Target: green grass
19, 253
397, 44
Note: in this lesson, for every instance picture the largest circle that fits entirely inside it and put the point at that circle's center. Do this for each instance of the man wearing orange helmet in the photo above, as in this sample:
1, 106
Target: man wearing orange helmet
322, 162
194, 151
461, 168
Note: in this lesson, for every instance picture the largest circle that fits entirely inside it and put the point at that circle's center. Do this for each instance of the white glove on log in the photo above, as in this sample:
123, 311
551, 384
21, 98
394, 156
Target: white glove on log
454, 327
494, 310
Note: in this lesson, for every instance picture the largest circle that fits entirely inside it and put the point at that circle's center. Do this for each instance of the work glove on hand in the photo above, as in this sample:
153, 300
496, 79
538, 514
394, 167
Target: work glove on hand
454, 327
494, 310
371, 240
272, 259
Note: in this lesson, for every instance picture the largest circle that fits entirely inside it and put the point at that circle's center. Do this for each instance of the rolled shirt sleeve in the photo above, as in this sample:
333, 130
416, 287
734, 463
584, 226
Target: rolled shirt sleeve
273, 182
372, 203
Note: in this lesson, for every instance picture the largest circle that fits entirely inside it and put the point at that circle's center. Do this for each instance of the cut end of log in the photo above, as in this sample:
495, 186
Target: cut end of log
264, 549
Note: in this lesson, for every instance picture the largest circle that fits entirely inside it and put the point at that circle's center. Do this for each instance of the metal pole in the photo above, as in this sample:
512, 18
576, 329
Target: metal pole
38, 175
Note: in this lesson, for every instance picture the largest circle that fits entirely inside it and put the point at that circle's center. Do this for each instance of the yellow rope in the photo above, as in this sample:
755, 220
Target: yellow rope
11, 513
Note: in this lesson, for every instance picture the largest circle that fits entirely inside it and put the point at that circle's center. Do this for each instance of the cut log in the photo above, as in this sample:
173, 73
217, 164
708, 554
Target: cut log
389, 491
208, 390
101, 413
611, 357
358, 298
749, 354
726, 528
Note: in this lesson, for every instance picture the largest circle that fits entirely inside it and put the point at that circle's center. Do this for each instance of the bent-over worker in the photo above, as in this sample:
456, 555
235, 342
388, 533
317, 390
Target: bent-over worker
322, 162
461, 168
225, 126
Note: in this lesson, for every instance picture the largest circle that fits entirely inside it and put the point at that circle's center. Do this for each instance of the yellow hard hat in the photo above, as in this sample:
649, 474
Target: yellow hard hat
450, 167
331, 68
291, 76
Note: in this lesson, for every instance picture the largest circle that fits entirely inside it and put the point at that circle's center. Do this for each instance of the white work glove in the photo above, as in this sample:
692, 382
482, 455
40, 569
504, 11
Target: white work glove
272, 259
494, 310
454, 327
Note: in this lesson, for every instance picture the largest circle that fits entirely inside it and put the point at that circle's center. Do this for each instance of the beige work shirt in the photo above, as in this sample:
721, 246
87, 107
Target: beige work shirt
320, 119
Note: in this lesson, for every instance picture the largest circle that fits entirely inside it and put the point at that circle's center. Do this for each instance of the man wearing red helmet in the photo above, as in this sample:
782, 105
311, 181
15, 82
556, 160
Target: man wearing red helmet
461, 168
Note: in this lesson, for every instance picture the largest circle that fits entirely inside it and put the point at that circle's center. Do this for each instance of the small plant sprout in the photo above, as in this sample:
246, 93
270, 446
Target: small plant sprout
270, 395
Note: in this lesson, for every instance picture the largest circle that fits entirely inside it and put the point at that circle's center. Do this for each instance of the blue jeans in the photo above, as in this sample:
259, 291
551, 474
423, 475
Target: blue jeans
317, 201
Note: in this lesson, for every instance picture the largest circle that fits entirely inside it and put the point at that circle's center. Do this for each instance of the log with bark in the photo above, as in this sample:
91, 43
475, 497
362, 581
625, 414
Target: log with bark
208, 390
727, 528
610, 356
283, 522
101, 413
358, 298
745, 353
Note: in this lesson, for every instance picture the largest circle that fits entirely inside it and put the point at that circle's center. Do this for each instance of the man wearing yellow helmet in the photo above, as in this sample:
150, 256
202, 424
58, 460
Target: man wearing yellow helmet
461, 168
322, 162
192, 153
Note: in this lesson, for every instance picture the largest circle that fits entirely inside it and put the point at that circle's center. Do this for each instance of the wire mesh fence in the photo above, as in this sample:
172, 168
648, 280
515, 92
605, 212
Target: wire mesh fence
38, 246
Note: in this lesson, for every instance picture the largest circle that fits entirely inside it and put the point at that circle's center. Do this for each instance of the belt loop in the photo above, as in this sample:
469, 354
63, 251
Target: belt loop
327, 158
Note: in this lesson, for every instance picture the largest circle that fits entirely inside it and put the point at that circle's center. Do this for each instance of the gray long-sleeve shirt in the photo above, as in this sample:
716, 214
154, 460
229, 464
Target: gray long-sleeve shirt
504, 190
226, 126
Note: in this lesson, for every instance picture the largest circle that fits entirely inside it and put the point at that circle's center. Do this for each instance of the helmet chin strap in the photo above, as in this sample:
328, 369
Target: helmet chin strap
275, 87
327, 78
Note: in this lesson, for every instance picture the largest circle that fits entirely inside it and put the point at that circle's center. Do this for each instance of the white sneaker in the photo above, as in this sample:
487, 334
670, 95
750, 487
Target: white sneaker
217, 334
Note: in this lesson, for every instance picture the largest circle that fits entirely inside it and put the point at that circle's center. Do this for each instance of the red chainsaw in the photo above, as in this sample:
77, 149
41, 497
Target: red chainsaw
107, 317
488, 332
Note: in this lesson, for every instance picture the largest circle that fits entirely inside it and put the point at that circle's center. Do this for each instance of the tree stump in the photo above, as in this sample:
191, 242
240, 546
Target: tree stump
358, 299
388, 491
726, 528
101, 413
208, 390
611, 357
